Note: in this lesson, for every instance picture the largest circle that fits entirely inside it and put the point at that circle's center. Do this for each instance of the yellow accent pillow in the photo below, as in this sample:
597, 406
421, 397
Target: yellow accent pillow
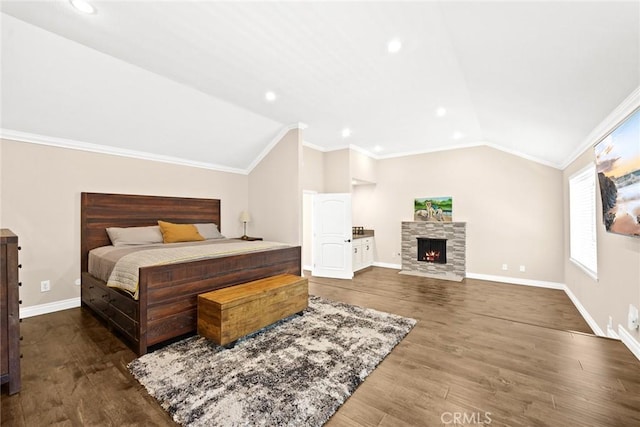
173, 233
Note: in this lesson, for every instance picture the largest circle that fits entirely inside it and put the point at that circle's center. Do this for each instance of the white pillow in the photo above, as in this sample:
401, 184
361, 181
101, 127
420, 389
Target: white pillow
209, 231
123, 236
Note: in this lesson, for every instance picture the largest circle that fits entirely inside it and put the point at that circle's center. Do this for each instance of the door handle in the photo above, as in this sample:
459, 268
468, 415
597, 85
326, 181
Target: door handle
347, 241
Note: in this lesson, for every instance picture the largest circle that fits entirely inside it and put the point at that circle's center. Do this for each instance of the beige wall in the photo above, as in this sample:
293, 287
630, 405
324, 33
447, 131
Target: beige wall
312, 182
312, 172
1, 224
275, 192
41, 186
365, 207
337, 172
363, 167
516, 210
618, 283
512, 206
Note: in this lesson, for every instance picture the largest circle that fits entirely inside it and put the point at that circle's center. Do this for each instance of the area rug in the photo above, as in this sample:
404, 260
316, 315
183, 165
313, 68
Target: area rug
296, 372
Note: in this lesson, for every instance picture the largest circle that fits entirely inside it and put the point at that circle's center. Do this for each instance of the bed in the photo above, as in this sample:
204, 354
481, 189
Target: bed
166, 307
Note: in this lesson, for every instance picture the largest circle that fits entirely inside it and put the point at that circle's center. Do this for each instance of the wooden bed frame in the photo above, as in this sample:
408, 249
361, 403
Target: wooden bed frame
167, 303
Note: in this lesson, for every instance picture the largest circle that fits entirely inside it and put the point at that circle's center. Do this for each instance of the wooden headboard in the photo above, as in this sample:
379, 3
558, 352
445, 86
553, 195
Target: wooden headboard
100, 210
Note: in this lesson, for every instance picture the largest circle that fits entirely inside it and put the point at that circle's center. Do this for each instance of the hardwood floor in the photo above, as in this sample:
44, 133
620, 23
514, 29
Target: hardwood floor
480, 352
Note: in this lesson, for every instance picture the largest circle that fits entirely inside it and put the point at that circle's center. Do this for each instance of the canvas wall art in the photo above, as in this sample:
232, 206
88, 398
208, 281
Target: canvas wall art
436, 209
618, 166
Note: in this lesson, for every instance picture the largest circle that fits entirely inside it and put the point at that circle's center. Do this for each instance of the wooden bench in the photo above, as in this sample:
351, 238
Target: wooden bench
225, 315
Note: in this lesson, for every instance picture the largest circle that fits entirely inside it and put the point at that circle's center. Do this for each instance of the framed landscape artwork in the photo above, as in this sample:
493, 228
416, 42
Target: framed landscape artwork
436, 209
618, 166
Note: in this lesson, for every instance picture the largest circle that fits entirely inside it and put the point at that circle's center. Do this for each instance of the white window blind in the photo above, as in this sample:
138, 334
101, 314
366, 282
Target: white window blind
582, 220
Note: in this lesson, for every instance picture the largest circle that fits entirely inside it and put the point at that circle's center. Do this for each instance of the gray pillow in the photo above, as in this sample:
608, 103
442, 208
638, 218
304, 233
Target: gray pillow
209, 231
134, 235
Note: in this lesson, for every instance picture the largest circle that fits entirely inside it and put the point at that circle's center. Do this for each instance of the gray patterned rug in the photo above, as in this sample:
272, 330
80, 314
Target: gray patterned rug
296, 372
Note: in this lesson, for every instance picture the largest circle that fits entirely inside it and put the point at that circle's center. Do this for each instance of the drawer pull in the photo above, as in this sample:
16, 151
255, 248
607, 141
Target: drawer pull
21, 338
19, 301
19, 283
19, 265
19, 248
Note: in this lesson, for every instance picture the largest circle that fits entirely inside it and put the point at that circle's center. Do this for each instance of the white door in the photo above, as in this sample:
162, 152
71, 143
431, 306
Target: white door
332, 236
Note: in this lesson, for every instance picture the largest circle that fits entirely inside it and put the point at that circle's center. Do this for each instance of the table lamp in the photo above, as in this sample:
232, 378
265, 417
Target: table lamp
245, 218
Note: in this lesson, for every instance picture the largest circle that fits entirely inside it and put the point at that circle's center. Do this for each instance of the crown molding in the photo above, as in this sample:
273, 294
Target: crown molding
363, 151
341, 147
524, 156
345, 147
114, 151
471, 145
434, 150
273, 143
628, 106
314, 146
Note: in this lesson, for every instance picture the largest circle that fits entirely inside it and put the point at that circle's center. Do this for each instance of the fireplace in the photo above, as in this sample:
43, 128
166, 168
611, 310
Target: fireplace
432, 250
452, 237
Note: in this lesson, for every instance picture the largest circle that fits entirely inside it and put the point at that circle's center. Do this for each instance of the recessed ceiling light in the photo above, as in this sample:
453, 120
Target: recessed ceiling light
457, 135
394, 46
83, 6
377, 148
346, 133
270, 96
441, 111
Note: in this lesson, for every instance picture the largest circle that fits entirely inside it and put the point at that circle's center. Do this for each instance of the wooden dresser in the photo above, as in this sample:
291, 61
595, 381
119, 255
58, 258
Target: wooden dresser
9, 311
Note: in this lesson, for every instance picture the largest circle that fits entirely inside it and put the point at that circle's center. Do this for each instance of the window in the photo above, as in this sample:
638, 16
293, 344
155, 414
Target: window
582, 220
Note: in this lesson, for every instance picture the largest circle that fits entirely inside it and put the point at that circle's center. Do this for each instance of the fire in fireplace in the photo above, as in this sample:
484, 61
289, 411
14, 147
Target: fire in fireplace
432, 250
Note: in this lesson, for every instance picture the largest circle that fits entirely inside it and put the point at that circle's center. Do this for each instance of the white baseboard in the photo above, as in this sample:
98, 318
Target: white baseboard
625, 336
585, 314
516, 281
37, 310
628, 340
388, 265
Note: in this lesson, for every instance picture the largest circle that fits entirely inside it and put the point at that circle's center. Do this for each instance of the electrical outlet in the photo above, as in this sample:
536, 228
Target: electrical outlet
505, 267
522, 268
45, 286
633, 317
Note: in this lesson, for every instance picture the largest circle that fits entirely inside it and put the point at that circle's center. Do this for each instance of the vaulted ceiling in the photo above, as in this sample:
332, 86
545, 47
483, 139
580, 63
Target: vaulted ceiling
188, 79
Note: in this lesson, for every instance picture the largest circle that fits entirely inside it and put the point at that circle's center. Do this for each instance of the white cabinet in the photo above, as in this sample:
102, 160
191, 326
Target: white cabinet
362, 253
367, 252
356, 254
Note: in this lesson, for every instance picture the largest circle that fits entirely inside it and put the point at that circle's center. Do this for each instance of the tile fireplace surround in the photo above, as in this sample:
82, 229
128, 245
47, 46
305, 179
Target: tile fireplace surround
454, 232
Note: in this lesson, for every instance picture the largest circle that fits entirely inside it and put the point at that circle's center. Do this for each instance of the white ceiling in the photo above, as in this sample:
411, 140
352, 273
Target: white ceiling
532, 78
